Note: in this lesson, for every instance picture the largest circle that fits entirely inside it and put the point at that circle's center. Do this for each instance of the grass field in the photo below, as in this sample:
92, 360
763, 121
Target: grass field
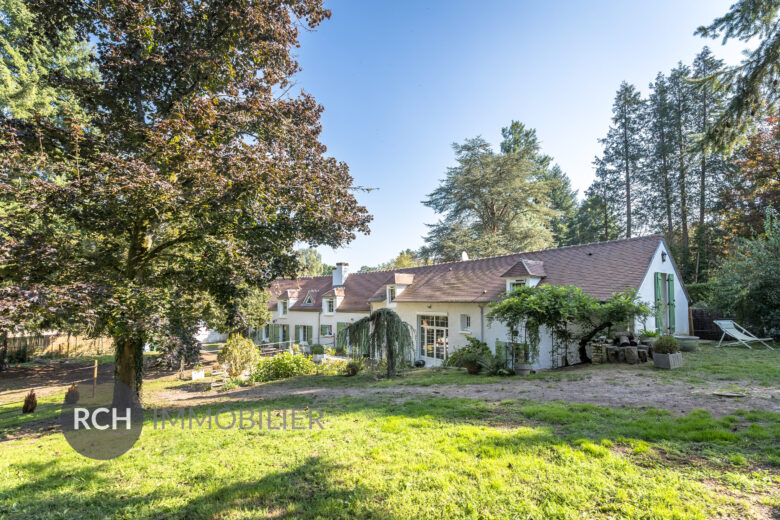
387, 456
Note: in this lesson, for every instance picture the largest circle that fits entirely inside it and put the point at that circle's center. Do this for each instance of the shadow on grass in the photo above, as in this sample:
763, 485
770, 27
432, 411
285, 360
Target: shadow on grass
305, 491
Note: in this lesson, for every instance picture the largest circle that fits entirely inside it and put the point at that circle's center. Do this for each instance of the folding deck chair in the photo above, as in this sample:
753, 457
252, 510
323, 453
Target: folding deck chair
739, 333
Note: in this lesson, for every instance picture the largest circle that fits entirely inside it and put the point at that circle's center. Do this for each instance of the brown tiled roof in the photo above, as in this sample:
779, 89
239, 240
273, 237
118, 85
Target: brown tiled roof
357, 290
599, 269
526, 268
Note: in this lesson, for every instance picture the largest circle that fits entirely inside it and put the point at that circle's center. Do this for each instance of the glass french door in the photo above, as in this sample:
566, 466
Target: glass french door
433, 337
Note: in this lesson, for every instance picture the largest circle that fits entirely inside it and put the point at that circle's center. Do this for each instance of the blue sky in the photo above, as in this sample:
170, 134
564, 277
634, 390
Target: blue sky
401, 81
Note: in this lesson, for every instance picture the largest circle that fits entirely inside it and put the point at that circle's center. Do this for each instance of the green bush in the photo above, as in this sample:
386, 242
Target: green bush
354, 367
472, 357
283, 366
238, 354
332, 367
666, 345
747, 283
340, 351
699, 292
649, 334
317, 349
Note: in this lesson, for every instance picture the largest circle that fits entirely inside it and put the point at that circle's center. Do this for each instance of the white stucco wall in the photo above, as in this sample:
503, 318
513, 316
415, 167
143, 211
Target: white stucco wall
315, 319
647, 292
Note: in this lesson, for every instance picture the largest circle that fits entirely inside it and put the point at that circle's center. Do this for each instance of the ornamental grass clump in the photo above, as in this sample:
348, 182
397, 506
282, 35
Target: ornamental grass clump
666, 345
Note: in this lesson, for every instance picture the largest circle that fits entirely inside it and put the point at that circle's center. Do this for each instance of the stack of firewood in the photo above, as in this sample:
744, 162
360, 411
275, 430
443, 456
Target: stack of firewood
625, 338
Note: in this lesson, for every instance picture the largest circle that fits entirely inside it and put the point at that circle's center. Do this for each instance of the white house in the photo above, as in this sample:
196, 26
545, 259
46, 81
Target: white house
446, 303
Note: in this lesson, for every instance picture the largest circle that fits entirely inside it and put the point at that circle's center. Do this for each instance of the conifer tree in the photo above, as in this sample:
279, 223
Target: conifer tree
623, 145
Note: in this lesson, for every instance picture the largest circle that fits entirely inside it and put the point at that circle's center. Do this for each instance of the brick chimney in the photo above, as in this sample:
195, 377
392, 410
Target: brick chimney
340, 274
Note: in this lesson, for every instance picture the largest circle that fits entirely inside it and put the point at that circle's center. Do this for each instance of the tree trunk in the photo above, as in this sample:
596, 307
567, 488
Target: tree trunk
627, 158
4, 353
584, 358
129, 362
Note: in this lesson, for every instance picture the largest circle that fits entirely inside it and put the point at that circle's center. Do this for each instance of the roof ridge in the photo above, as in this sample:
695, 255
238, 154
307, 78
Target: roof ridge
652, 235
517, 253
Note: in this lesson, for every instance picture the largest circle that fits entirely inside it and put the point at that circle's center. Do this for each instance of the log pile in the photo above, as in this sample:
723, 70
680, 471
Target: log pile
623, 348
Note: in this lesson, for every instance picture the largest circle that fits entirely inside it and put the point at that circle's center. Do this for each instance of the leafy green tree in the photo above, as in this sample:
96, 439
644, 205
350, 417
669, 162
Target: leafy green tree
193, 176
747, 284
754, 185
562, 310
754, 83
311, 264
492, 204
37, 71
406, 258
623, 146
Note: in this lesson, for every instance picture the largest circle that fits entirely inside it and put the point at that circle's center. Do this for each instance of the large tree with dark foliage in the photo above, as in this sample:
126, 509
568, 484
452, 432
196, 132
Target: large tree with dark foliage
492, 203
186, 184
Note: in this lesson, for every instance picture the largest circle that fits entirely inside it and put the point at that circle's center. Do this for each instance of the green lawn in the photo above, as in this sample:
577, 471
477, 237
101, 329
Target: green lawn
384, 456
431, 458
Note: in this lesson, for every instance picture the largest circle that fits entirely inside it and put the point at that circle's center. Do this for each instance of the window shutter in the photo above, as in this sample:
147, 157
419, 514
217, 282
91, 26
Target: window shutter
297, 333
310, 334
323, 330
274, 333
659, 303
670, 299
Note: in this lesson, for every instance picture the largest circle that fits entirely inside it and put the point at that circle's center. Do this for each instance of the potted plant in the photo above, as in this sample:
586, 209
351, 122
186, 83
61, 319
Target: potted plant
649, 337
471, 357
523, 359
198, 372
687, 343
666, 353
317, 352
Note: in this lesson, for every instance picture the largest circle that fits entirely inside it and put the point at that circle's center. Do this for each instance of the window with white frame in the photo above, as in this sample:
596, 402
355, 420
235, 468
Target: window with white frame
309, 300
282, 308
266, 332
327, 330
390, 293
304, 335
514, 284
465, 323
330, 306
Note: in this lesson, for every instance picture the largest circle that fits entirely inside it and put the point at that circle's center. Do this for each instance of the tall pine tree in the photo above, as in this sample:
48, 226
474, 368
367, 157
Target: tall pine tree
623, 144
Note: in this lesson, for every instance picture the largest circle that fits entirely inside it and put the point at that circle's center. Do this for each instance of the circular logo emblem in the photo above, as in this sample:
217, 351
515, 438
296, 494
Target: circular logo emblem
101, 422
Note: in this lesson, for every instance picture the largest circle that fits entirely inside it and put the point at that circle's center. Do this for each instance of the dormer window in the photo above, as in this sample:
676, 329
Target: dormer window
330, 305
514, 284
308, 300
282, 308
390, 293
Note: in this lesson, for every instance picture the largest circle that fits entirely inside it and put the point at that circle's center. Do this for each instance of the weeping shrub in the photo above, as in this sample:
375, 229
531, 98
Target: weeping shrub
382, 335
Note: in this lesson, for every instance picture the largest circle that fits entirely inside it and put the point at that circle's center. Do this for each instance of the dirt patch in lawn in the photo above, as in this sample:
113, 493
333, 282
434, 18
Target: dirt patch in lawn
604, 388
